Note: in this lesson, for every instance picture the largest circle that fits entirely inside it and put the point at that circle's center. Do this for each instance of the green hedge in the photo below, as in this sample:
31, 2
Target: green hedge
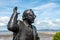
56, 36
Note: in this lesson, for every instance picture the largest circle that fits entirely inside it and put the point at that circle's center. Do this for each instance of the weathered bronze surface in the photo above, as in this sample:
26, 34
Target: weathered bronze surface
23, 30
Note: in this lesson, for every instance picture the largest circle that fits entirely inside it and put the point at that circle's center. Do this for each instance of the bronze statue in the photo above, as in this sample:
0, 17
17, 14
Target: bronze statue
23, 30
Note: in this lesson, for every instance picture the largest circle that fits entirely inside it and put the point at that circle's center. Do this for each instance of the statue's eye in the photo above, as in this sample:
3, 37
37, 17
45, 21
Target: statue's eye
30, 15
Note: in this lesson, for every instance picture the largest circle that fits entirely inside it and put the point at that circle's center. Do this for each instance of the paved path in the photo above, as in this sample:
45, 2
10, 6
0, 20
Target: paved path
42, 35
46, 35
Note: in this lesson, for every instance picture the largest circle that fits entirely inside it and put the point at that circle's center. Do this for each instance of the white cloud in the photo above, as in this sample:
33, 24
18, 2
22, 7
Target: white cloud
45, 6
2, 24
5, 3
58, 20
55, 0
37, 22
45, 9
4, 20
47, 16
34, 2
48, 24
46, 21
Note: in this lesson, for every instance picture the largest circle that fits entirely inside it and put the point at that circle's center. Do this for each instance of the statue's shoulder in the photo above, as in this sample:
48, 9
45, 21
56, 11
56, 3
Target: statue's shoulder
20, 21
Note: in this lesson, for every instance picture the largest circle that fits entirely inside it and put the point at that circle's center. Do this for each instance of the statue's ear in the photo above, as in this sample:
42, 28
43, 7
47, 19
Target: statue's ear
34, 16
24, 18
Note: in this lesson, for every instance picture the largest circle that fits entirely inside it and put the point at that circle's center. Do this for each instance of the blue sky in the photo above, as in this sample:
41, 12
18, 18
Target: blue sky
47, 12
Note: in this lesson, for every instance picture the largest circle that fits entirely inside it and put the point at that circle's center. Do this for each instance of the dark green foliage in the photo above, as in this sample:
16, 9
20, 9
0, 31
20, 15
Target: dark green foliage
56, 36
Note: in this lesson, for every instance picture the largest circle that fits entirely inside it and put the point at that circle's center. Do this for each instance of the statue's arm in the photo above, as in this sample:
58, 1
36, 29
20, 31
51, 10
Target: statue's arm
37, 37
12, 24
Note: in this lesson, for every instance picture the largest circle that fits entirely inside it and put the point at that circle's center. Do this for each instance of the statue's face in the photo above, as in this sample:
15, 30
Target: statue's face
30, 16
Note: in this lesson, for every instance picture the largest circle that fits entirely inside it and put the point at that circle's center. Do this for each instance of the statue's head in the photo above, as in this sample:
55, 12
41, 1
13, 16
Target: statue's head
29, 15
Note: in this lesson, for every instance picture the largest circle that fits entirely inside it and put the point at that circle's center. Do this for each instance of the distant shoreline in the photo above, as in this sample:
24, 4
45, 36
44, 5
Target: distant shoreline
37, 30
